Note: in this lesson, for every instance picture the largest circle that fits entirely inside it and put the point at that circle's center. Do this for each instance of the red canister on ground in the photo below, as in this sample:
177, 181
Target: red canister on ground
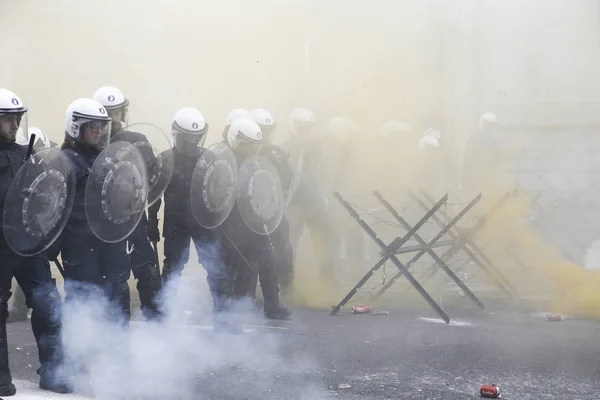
361, 309
553, 317
490, 392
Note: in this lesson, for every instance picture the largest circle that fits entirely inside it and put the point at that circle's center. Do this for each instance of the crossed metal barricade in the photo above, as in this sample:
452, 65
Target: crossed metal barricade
460, 240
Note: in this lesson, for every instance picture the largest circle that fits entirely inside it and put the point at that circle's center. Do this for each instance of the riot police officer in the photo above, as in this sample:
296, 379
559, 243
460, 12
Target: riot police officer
91, 265
32, 273
244, 251
189, 130
143, 257
284, 253
19, 310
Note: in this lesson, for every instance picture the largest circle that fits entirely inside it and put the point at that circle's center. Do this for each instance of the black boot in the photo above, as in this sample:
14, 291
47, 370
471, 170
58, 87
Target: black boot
46, 324
277, 312
6, 386
56, 379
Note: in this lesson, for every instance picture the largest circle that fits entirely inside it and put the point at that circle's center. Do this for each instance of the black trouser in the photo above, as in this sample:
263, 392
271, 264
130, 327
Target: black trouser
284, 254
34, 277
256, 264
145, 270
177, 254
96, 267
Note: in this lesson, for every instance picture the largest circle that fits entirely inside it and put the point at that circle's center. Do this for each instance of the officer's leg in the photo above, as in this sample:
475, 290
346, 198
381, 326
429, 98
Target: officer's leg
210, 255
116, 267
246, 277
42, 296
145, 270
237, 270
284, 255
267, 274
177, 254
83, 276
9, 262
19, 309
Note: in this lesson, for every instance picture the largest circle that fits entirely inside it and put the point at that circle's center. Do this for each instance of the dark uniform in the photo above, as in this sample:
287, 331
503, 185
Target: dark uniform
34, 277
142, 257
180, 228
280, 237
92, 267
251, 257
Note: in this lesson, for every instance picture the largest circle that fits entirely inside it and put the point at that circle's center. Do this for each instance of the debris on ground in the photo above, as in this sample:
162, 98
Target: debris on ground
361, 309
552, 317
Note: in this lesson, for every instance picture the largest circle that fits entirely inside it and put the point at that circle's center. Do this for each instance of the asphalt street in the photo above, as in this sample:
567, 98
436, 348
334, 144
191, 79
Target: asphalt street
404, 355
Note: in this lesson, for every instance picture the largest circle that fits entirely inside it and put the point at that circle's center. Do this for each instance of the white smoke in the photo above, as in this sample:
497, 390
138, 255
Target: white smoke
166, 360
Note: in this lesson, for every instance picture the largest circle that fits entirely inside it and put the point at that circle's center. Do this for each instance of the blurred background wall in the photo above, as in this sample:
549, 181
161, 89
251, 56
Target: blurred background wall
430, 62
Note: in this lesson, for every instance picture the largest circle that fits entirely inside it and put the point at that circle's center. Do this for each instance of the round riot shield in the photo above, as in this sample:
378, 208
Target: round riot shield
156, 148
116, 192
259, 195
296, 179
213, 186
39, 202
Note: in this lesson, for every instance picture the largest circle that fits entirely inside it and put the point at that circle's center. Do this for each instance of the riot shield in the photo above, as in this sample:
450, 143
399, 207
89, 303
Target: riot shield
116, 192
296, 180
157, 151
213, 186
259, 193
39, 202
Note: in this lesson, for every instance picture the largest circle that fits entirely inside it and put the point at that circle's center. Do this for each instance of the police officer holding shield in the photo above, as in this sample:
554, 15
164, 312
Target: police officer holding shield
245, 251
143, 257
189, 129
32, 273
284, 253
19, 310
92, 266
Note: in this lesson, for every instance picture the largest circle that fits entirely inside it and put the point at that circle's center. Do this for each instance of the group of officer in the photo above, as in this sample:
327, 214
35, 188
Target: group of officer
234, 256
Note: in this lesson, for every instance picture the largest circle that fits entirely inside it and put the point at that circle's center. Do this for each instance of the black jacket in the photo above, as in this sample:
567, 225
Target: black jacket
82, 158
178, 214
12, 157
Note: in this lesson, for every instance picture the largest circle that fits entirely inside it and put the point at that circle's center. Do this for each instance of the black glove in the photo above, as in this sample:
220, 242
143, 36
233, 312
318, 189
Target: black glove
152, 230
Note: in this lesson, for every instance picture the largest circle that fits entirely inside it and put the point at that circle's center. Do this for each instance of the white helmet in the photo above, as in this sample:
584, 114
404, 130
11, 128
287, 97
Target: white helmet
189, 128
395, 128
41, 139
244, 130
10, 103
113, 99
235, 114
83, 111
266, 121
302, 120
342, 128
487, 119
